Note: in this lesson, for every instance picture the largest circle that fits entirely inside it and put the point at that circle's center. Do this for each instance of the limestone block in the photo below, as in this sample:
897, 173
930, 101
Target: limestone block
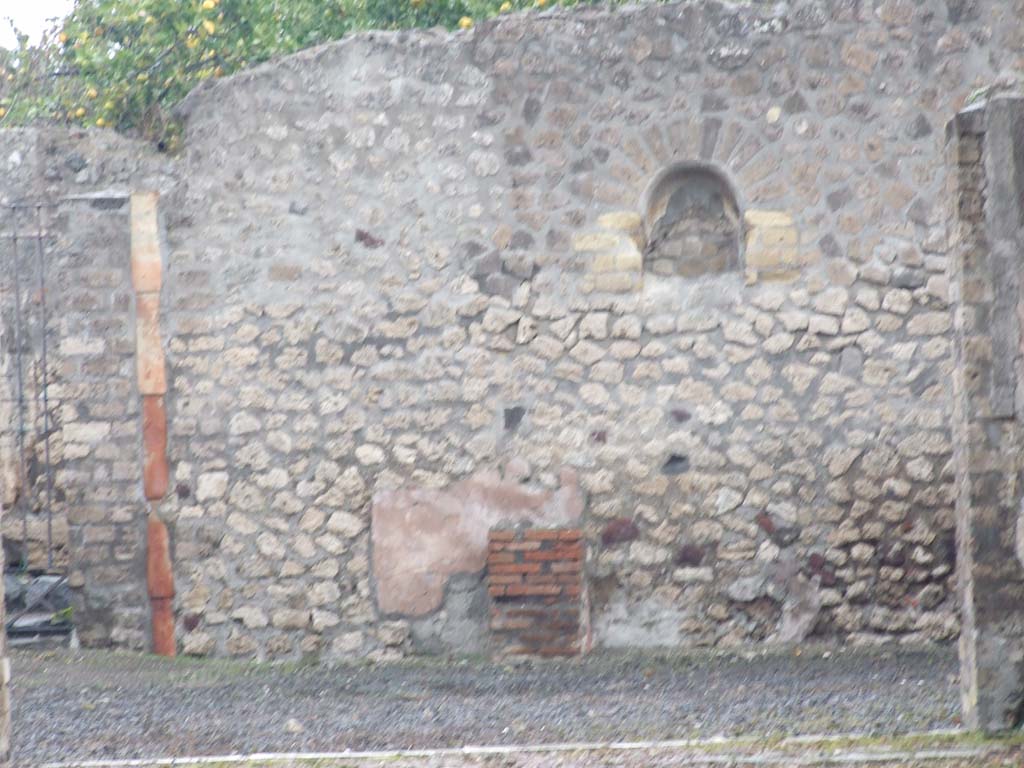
211, 486
290, 618
198, 644
90, 432
346, 524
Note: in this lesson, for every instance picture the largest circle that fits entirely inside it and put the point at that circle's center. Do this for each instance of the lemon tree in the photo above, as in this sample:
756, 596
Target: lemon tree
124, 63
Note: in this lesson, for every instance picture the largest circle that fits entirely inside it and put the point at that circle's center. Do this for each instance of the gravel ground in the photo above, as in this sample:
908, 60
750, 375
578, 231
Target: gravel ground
94, 705
821, 756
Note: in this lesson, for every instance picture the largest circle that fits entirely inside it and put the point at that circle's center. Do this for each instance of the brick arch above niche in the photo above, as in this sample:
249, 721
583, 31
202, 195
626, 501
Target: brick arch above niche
692, 223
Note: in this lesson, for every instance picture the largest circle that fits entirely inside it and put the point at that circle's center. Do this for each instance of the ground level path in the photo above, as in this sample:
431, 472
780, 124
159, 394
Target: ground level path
78, 706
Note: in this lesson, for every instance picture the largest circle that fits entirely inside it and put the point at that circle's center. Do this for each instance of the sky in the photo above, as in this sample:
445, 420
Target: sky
30, 16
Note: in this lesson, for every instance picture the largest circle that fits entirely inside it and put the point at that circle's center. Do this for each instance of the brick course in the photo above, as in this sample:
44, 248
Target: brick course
538, 596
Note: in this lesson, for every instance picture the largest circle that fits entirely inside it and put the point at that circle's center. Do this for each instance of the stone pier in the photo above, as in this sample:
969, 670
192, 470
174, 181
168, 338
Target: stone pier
986, 145
5, 672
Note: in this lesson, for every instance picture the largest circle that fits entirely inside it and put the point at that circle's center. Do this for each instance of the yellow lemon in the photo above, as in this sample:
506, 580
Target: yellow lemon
63, 37
505, 7
191, 42
100, 122
465, 22
80, 112
142, 77
2, 111
209, 26
541, 3
92, 93
209, 5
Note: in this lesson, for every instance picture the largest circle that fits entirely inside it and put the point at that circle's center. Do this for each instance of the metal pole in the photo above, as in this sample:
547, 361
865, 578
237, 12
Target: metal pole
46, 401
21, 389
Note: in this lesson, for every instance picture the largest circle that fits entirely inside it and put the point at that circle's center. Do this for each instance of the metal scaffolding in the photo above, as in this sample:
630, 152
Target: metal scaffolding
23, 293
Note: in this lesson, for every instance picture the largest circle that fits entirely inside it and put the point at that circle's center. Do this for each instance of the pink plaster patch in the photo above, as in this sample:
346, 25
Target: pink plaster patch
423, 536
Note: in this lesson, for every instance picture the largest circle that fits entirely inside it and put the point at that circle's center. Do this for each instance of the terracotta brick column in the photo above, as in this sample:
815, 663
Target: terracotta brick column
539, 597
147, 270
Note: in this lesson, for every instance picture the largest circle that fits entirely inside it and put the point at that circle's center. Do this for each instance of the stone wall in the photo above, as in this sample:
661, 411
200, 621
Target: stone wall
82, 183
5, 673
407, 261
987, 150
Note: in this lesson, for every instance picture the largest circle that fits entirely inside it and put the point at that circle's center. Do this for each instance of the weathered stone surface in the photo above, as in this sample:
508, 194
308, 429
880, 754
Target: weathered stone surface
987, 149
746, 589
404, 306
345, 524
800, 611
212, 486
421, 537
618, 531
5, 666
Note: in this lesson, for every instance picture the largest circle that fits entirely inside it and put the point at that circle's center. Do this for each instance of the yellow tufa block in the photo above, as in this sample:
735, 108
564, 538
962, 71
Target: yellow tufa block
773, 241
753, 276
775, 237
603, 262
589, 242
626, 257
629, 260
629, 223
626, 221
617, 282
756, 219
617, 263
771, 258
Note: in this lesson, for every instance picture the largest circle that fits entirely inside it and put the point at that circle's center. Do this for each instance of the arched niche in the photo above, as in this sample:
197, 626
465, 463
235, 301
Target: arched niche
692, 223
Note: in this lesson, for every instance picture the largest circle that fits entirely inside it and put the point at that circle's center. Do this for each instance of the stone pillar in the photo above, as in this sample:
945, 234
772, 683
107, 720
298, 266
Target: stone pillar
986, 150
5, 668
4, 664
